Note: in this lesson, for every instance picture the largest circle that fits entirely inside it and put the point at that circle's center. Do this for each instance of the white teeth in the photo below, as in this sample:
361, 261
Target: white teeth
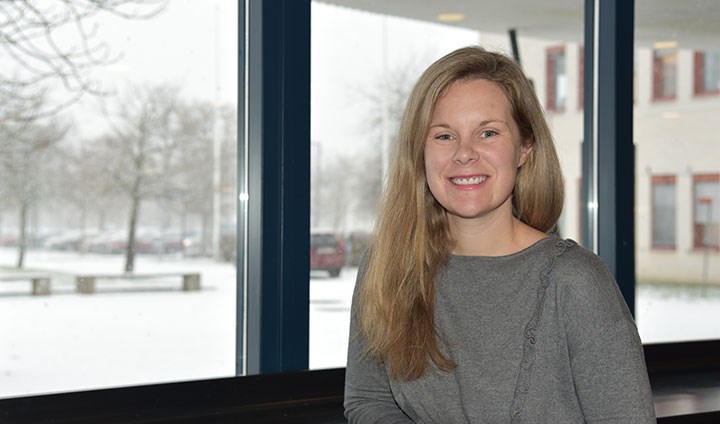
468, 181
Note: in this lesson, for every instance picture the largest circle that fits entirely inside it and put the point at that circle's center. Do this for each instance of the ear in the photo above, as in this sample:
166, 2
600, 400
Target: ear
525, 150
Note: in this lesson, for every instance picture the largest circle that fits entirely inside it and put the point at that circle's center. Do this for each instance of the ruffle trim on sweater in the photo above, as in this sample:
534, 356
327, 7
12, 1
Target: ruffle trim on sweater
528, 357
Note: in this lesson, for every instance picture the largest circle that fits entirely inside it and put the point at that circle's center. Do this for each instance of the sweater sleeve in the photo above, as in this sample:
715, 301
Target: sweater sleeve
606, 354
368, 398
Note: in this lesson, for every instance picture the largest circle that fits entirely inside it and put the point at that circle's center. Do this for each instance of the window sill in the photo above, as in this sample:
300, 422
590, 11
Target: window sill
685, 378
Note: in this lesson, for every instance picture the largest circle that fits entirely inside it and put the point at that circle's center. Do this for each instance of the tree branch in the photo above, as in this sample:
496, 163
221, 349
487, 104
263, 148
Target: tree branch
58, 41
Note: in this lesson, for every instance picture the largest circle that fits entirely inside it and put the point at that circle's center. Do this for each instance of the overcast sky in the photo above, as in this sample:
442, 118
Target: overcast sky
192, 44
180, 46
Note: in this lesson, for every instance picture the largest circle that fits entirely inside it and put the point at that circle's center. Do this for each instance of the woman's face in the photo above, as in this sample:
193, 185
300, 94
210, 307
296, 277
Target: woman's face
473, 151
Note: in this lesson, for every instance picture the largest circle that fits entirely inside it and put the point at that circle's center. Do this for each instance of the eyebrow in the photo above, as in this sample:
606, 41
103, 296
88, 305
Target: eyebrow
481, 124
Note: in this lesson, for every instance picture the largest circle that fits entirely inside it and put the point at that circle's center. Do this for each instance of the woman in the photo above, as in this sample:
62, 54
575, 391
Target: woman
466, 309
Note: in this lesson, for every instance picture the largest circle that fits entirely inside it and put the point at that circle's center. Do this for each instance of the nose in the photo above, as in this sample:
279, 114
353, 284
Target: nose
465, 152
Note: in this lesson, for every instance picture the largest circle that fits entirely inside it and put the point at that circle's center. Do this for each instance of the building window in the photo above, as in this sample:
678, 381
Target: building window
581, 77
635, 80
663, 211
706, 211
664, 74
556, 79
707, 73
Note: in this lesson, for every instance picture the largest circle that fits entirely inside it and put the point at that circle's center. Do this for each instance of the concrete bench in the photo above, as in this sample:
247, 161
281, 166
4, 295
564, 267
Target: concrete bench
86, 284
40, 283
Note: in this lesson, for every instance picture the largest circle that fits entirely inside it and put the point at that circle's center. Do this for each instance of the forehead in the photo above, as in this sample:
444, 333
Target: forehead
473, 90
473, 93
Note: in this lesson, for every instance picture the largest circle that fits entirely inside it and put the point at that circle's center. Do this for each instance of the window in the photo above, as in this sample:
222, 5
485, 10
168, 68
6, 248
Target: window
556, 79
664, 73
15, 298
660, 310
118, 195
707, 72
706, 211
581, 77
635, 79
663, 211
676, 162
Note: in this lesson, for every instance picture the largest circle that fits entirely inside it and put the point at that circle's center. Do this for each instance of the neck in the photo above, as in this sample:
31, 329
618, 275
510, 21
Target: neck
500, 236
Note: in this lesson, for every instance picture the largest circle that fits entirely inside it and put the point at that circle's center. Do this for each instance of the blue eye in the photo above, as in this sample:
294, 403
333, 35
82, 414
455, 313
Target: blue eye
443, 137
488, 133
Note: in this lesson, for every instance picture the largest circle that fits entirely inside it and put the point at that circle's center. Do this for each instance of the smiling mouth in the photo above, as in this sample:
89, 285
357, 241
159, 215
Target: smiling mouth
468, 181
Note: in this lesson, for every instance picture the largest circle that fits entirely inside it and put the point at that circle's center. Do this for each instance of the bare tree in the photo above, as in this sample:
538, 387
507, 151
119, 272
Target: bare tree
78, 180
192, 183
57, 40
140, 149
159, 153
336, 194
387, 99
23, 146
386, 104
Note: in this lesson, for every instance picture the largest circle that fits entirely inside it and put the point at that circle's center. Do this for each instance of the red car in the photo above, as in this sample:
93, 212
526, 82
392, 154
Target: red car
327, 253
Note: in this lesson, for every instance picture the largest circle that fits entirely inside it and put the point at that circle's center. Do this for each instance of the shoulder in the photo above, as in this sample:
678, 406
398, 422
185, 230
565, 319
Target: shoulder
585, 286
574, 264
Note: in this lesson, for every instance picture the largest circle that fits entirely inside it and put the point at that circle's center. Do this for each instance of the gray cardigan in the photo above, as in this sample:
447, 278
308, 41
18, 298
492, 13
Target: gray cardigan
539, 336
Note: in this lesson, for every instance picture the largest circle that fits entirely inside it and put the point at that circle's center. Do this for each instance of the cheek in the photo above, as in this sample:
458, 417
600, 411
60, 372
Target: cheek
432, 173
510, 158
435, 159
429, 164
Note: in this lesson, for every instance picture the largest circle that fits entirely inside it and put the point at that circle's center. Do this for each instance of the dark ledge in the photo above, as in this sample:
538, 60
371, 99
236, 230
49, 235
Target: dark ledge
309, 397
685, 378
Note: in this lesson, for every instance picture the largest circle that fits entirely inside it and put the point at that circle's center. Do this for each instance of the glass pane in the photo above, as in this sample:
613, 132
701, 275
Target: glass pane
665, 73
118, 139
706, 202
557, 80
707, 71
366, 56
663, 211
678, 291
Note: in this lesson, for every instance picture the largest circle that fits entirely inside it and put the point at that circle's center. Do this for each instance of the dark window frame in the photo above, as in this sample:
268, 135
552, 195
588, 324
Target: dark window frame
278, 131
608, 148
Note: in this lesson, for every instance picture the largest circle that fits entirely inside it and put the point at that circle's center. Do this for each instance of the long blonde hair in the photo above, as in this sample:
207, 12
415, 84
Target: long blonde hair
412, 243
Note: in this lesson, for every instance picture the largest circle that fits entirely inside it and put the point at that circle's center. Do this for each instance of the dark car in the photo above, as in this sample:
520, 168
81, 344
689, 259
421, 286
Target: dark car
327, 252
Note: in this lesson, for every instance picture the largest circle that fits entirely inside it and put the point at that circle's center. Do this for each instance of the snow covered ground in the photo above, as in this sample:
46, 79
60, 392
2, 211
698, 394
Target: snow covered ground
133, 332
124, 335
